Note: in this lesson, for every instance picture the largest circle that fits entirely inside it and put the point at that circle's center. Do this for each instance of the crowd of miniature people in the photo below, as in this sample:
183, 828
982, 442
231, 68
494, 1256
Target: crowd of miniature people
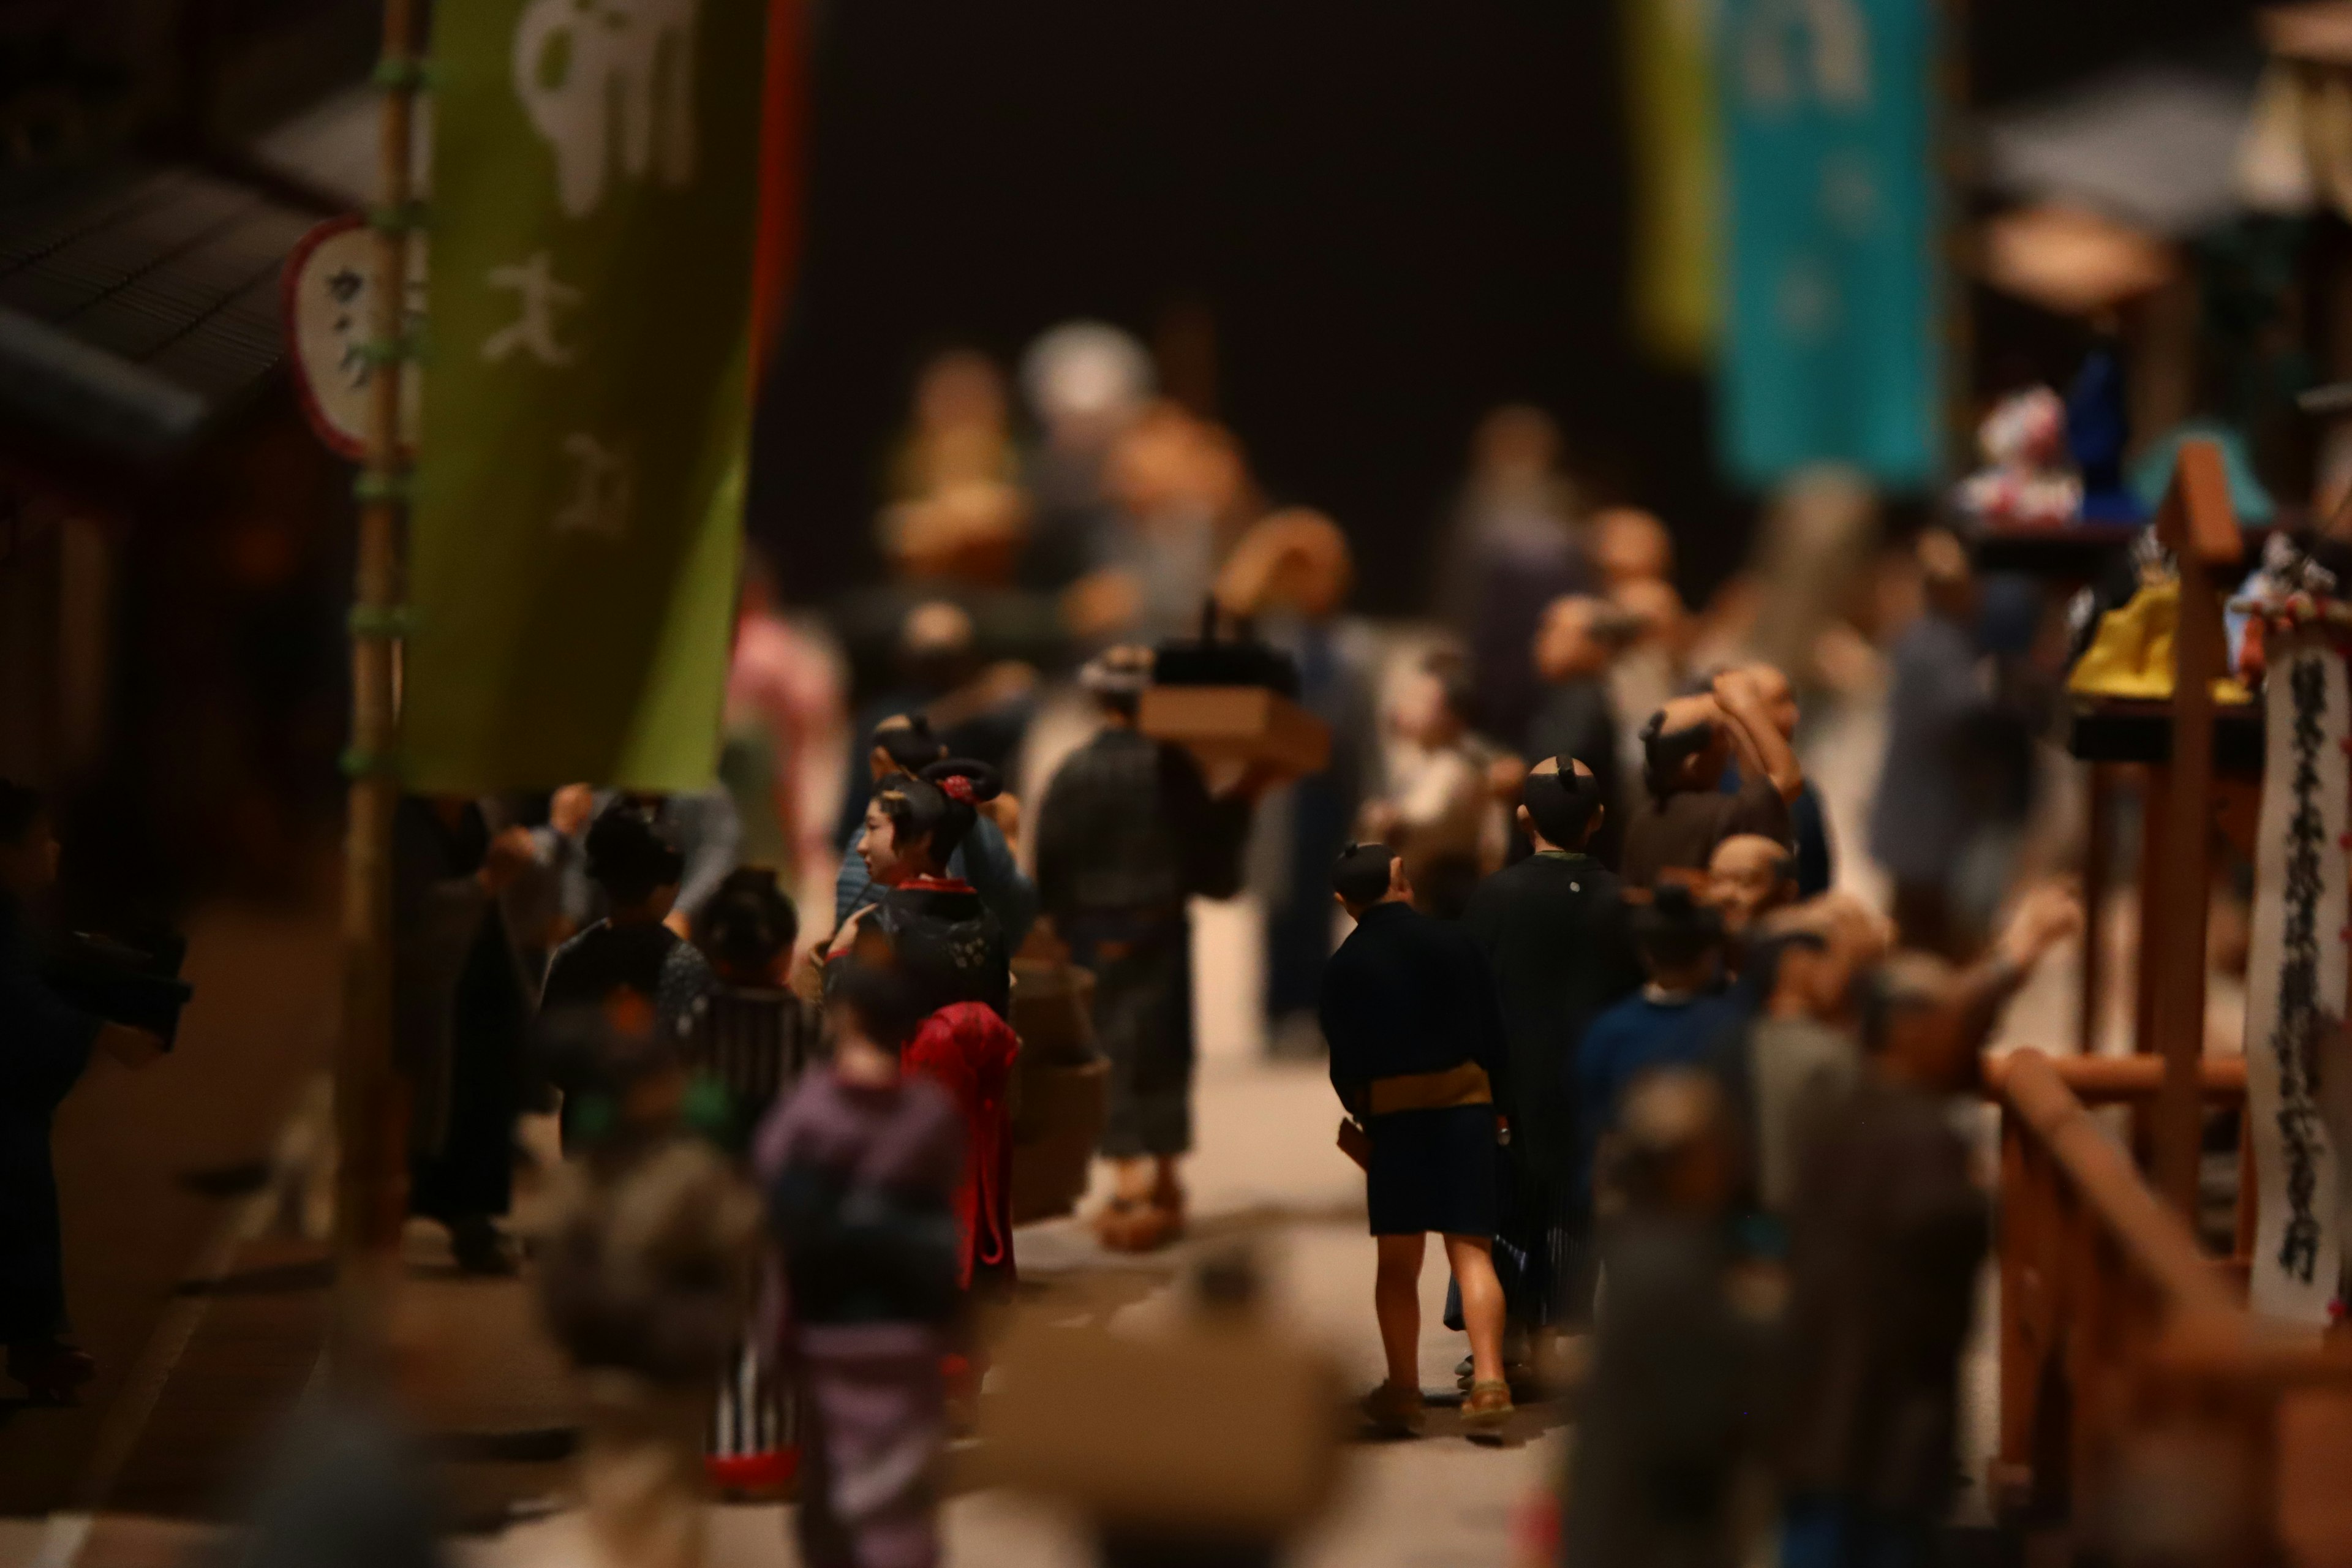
1605, 1019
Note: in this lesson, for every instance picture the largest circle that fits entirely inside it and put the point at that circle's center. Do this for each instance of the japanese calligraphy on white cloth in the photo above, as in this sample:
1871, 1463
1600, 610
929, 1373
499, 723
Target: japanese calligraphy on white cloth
2296, 1048
606, 78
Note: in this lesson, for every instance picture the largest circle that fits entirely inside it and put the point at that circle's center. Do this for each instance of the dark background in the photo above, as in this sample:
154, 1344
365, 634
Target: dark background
1396, 213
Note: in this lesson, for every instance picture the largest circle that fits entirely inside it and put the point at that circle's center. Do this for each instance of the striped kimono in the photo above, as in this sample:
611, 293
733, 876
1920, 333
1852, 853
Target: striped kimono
752, 1042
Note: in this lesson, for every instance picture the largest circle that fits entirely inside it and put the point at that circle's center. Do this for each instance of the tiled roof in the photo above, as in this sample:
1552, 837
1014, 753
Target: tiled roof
137, 304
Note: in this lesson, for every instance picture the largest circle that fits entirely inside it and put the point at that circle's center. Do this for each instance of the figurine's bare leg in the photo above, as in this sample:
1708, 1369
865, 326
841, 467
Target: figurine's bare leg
1472, 1259
1396, 1297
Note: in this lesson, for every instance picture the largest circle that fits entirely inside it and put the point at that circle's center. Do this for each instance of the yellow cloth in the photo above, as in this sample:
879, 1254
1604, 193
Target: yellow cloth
2131, 655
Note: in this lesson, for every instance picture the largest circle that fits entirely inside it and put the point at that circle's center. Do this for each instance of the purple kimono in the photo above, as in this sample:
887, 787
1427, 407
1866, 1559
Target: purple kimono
859, 1182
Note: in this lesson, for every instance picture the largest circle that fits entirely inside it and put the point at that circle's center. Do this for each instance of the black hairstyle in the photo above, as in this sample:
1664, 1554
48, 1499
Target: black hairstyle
868, 980
20, 807
1360, 875
1664, 750
629, 856
1673, 928
939, 805
907, 739
1563, 805
747, 923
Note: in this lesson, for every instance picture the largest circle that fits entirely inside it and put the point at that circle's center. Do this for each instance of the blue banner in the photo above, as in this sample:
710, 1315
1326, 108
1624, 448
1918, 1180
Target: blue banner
1831, 332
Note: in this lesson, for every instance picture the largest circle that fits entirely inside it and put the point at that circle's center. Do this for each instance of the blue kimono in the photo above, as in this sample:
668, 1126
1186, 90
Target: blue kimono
44, 1046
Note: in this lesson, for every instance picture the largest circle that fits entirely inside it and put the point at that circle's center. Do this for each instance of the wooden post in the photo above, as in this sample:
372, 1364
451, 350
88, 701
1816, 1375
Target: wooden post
371, 1187
2098, 869
2197, 524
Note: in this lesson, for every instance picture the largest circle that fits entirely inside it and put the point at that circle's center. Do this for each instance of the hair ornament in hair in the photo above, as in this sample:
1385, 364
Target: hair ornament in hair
958, 788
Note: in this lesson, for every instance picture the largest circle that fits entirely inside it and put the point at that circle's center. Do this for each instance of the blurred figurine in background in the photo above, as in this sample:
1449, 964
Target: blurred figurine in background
1748, 877
1676, 1020
1442, 814
1180, 490
1084, 382
1635, 556
461, 1013
959, 431
977, 710
633, 949
1920, 820
1813, 865
1669, 1426
1514, 543
44, 1046
1556, 936
645, 1278
1887, 1234
903, 746
1420, 1060
1579, 638
783, 706
1685, 747
752, 1039
1294, 569
700, 825
2027, 480
1127, 833
858, 1165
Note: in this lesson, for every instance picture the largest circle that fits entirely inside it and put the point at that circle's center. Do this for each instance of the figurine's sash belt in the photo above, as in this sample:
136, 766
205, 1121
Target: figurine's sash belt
1464, 1085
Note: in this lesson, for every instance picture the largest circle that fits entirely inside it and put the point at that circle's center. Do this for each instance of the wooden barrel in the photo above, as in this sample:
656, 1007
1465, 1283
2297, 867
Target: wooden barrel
1059, 1085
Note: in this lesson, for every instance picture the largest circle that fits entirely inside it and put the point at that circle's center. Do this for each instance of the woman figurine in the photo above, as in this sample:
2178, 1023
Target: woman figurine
949, 948
949, 953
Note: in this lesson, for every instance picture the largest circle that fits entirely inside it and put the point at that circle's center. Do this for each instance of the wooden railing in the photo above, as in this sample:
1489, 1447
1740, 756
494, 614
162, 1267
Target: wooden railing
2126, 1352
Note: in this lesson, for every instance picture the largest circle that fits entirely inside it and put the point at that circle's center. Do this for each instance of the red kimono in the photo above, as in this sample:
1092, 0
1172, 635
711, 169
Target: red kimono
968, 1050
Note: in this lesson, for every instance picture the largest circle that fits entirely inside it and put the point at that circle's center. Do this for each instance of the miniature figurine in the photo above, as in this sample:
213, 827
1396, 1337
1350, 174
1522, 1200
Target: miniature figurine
1442, 817
1512, 546
859, 1165
1128, 832
2026, 481
461, 1012
1887, 1234
1808, 828
950, 947
645, 1276
1296, 564
752, 1037
633, 948
1921, 819
47, 1044
1556, 937
1685, 745
904, 745
1578, 641
1418, 1055
1748, 877
1670, 1420
968, 1050
1675, 1020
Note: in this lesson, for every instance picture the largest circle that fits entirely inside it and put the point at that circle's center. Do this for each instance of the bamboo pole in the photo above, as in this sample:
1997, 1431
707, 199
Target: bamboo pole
372, 1169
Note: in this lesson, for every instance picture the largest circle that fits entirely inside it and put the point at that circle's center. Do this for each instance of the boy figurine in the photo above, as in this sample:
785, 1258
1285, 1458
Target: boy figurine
1885, 1238
1685, 746
1417, 1055
858, 1164
44, 1046
1668, 1421
1555, 934
1675, 1020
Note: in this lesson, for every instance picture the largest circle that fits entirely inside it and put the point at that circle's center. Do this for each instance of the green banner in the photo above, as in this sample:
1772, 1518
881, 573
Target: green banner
574, 540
